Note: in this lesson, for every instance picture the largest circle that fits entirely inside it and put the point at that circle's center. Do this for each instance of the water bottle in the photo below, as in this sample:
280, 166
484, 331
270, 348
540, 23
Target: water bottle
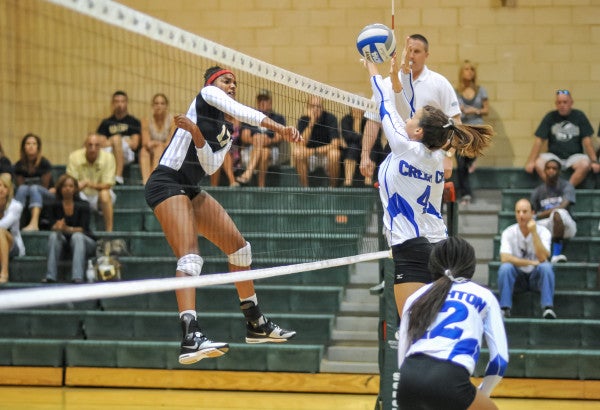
90, 273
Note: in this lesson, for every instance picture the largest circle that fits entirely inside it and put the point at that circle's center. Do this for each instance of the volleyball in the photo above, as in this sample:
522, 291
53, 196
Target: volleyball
376, 43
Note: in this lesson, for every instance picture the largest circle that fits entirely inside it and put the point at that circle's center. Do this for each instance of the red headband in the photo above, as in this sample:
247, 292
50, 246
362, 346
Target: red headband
218, 74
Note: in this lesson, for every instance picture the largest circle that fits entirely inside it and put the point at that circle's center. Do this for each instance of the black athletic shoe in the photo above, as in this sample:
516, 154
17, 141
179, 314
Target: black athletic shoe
268, 332
195, 346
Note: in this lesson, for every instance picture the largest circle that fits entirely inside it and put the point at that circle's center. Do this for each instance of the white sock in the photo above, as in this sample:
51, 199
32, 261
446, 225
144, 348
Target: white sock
189, 312
252, 298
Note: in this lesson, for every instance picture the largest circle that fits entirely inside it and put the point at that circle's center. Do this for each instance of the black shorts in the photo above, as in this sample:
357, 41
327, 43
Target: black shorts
166, 182
411, 259
432, 384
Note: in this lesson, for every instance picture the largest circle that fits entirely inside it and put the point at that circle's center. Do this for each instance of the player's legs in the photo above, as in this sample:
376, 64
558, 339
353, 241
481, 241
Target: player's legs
482, 402
411, 271
213, 222
176, 217
145, 162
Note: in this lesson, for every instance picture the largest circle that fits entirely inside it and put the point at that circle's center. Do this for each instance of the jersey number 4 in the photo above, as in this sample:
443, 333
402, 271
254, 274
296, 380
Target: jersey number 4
428, 207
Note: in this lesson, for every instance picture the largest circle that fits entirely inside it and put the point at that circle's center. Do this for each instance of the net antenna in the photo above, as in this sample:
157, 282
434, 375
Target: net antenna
393, 14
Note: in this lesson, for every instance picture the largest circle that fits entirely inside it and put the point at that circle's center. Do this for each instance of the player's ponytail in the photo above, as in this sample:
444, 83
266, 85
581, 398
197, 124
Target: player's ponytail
451, 260
439, 131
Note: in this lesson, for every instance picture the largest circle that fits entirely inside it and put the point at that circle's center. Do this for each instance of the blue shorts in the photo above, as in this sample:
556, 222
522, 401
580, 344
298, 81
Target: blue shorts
166, 182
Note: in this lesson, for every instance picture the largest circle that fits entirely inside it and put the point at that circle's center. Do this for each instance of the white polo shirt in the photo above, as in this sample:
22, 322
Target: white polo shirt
430, 88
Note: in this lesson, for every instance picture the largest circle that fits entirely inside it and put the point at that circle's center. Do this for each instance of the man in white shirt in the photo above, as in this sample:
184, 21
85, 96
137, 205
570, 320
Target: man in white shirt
430, 88
524, 252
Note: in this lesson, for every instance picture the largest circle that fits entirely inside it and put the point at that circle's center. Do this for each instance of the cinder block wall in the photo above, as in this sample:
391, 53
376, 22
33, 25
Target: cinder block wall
524, 52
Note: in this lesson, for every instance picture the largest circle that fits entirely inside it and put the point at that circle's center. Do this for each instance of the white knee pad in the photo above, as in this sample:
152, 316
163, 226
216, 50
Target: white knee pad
190, 264
241, 257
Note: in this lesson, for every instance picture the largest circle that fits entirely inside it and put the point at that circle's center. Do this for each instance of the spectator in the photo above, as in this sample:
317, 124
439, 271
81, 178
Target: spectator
33, 175
524, 250
94, 168
568, 134
260, 144
11, 243
320, 144
122, 134
157, 130
5, 164
70, 221
473, 101
430, 88
551, 202
353, 126
232, 159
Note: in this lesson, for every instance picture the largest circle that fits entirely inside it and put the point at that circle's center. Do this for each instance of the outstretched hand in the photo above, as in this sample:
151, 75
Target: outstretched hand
405, 62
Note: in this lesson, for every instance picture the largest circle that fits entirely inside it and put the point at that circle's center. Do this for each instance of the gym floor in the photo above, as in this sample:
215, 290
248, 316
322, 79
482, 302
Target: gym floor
65, 398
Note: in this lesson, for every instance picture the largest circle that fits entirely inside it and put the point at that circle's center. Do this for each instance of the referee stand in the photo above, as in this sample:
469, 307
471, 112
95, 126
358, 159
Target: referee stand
389, 321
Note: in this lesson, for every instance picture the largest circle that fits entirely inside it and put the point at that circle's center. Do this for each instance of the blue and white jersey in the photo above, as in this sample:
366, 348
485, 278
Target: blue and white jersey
411, 180
208, 112
469, 312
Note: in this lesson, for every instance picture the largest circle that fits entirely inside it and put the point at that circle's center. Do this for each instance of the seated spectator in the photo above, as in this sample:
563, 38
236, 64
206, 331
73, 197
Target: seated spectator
11, 243
231, 160
320, 144
94, 168
33, 175
524, 251
568, 134
122, 134
353, 126
157, 130
259, 145
70, 221
5, 164
551, 202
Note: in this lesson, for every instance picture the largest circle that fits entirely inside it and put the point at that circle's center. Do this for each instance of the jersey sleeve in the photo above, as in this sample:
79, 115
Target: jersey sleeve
392, 123
495, 337
218, 99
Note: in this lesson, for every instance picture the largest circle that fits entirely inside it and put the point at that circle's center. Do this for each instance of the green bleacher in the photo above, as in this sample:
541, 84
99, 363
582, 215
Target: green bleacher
567, 347
285, 225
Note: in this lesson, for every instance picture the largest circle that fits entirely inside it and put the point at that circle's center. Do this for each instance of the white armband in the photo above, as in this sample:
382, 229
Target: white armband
209, 160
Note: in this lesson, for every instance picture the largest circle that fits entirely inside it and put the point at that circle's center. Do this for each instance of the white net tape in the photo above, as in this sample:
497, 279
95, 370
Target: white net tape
126, 18
25, 298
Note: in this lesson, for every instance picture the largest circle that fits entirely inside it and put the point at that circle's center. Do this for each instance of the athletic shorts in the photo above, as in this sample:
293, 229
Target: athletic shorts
432, 384
165, 182
411, 260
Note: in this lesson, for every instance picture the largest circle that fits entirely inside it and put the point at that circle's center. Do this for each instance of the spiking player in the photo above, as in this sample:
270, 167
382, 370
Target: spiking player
441, 332
184, 210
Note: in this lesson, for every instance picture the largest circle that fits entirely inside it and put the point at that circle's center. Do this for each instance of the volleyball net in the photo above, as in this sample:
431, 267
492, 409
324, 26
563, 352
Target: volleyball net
62, 61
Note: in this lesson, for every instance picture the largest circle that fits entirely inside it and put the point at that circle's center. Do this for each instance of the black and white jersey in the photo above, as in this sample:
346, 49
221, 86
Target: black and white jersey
208, 112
